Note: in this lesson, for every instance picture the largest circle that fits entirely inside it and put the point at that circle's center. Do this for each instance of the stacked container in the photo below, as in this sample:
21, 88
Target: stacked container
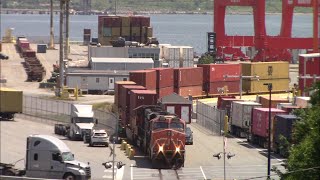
132, 28
260, 125
186, 56
274, 101
146, 78
188, 81
171, 55
117, 97
214, 81
302, 102
164, 81
276, 73
309, 65
241, 117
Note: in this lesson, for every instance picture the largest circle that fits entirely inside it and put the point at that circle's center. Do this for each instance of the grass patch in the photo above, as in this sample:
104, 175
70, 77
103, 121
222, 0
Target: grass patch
103, 106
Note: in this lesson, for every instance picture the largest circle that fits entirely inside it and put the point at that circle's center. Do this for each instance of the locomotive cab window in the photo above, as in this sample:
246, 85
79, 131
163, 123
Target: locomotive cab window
160, 125
177, 126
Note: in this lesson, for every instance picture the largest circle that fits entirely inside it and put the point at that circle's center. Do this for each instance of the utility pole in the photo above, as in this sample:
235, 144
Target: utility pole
269, 131
61, 62
66, 50
51, 44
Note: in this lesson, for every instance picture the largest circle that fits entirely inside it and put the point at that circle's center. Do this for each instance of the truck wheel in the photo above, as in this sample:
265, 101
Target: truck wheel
107, 144
69, 176
9, 172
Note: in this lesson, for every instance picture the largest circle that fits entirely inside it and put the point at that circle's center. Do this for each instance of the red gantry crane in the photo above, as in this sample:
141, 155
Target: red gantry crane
269, 48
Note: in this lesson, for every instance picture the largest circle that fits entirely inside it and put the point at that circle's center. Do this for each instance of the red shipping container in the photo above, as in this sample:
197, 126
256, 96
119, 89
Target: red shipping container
260, 120
189, 91
146, 78
112, 21
312, 66
164, 91
215, 88
117, 90
264, 101
125, 95
135, 21
309, 83
142, 97
188, 76
28, 53
24, 45
164, 77
216, 72
145, 21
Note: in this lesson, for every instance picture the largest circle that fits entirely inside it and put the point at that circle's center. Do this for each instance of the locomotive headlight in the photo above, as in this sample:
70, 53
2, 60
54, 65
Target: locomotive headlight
177, 149
160, 148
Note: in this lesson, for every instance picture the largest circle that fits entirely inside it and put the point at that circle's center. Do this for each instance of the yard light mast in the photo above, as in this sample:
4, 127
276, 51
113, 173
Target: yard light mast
269, 85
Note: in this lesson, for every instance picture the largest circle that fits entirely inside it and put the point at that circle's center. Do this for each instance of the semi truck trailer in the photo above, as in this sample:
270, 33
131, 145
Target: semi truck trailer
10, 103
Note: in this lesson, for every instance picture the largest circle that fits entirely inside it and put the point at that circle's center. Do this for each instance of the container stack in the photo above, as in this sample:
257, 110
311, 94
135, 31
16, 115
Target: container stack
188, 81
41, 48
171, 54
117, 90
132, 28
214, 82
146, 78
32, 65
86, 36
186, 56
164, 81
276, 73
308, 67
274, 101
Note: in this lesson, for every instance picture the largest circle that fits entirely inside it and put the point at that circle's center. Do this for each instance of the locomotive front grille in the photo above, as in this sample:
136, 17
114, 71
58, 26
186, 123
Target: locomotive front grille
88, 172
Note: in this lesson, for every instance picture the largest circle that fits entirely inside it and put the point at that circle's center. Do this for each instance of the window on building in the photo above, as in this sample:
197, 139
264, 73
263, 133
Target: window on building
125, 79
97, 80
35, 157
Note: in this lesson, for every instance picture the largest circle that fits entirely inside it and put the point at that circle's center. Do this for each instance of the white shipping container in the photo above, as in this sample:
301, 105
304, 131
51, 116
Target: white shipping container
186, 53
174, 63
241, 113
171, 52
302, 102
161, 46
187, 64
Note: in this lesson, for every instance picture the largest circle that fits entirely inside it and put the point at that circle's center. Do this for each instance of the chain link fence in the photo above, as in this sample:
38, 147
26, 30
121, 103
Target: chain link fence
210, 118
55, 111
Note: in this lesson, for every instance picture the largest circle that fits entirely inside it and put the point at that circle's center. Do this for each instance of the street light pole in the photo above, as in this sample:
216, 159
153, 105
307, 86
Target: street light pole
269, 132
61, 62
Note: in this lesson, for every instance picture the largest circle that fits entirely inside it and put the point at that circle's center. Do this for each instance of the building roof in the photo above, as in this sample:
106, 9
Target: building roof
121, 60
98, 72
174, 99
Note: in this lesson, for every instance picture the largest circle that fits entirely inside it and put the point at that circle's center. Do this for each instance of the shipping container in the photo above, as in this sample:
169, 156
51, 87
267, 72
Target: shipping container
41, 48
142, 97
255, 86
116, 31
164, 91
266, 70
178, 105
187, 64
280, 105
161, 46
241, 117
136, 31
145, 21
187, 91
117, 90
149, 32
264, 100
302, 102
283, 125
186, 53
305, 84
225, 103
216, 88
10, 100
173, 63
217, 72
125, 31
164, 77
146, 78
260, 124
125, 21
112, 21
125, 95
188, 77
290, 109
24, 45
135, 21
171, 53
312, 66
28, 53
125, 64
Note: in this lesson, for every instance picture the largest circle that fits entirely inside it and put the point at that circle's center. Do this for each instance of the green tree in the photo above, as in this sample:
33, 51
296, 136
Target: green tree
304, 157
206, 59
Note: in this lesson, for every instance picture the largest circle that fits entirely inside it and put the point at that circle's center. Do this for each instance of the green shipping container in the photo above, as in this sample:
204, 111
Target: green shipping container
10, 100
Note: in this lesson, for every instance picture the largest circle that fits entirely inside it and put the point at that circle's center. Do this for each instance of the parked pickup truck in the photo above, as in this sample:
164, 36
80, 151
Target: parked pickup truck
10, 103
48, 157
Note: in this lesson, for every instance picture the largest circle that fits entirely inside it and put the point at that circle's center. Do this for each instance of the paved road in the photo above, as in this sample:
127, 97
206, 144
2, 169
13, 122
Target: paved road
249, 161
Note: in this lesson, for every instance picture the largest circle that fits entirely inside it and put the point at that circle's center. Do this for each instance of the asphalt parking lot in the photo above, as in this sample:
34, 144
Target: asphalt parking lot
249, 161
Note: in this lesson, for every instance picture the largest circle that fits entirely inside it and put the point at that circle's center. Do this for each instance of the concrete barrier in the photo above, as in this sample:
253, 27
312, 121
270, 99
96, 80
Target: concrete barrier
131, 153
123, 145
128, 150
22, 177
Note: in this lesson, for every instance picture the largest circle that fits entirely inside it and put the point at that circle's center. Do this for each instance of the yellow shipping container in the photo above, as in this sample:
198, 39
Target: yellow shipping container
266, 70
116, 31
135, 31
105, 41
125, 31
150, 32
10, 100
125, 21
255, 86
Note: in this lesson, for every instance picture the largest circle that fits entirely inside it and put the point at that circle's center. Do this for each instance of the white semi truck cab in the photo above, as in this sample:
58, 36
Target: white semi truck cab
82, 121
50, 158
